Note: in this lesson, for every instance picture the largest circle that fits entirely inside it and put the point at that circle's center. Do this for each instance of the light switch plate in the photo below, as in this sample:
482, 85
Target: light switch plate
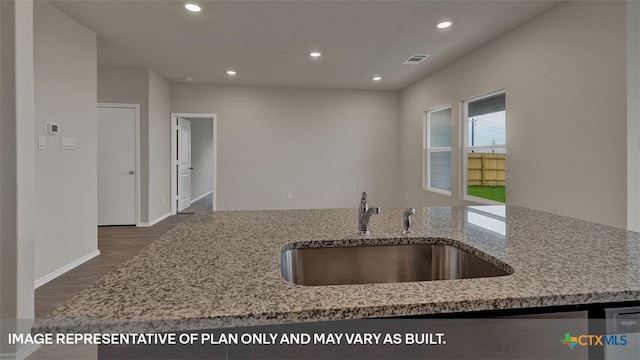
68, 143
42, 142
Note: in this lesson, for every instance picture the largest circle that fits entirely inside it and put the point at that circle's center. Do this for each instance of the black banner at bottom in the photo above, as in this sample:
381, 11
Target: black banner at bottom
415, 338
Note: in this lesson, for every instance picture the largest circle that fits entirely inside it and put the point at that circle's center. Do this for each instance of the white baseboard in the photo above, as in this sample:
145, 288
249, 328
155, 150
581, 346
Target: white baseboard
26, 351
155, 221
200, 197
8, 356
45, 279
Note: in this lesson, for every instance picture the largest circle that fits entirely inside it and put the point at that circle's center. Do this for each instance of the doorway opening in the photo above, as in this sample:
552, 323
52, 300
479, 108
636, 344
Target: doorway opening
193, 160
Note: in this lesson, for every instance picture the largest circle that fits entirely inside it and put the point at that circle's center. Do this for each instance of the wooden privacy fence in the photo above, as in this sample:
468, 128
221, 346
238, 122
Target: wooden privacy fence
486, 169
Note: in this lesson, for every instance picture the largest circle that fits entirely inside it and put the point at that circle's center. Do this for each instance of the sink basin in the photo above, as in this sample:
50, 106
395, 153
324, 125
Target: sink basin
382, 264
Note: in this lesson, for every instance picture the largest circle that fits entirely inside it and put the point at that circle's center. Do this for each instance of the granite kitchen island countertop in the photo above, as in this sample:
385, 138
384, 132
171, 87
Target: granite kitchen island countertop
222, 269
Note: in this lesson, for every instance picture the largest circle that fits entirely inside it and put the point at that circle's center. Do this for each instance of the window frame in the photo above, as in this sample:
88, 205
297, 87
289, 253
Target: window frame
427, 150
465, 147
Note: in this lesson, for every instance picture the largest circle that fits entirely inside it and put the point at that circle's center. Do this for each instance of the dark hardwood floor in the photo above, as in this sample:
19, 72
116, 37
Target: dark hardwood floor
117, 244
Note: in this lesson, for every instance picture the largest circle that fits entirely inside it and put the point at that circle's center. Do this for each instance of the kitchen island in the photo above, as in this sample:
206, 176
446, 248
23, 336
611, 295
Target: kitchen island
222, 269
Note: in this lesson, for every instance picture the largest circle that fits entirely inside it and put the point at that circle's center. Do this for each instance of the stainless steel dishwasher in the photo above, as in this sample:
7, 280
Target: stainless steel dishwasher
623, 321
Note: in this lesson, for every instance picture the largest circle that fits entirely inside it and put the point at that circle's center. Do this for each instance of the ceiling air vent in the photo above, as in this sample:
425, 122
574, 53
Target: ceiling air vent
415, 59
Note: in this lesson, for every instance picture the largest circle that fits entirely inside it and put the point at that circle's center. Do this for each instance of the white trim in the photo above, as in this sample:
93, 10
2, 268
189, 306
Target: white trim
427, 149
438, 191
70, 266
464, 147
23, 353
137, 137
27, 351
215, 163
155, 221
202, 196
462, 134
174, 154
485, 95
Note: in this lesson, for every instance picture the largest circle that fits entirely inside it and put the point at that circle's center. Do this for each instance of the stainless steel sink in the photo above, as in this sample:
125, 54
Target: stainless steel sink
382, 264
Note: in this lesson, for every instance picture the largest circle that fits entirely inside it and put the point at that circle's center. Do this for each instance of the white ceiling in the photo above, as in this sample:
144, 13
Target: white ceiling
268, 42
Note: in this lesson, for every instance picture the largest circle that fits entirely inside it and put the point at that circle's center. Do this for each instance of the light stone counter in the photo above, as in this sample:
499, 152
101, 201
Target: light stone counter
222, 269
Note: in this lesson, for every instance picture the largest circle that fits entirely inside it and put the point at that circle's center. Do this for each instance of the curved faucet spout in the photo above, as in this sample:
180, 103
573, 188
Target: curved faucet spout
371, 211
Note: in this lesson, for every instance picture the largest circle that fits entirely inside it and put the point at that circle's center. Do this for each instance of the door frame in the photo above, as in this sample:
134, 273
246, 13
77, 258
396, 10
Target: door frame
174, 155
137, 156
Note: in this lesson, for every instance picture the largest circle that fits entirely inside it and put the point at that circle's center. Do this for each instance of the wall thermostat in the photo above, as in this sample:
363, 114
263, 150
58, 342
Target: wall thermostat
51, 128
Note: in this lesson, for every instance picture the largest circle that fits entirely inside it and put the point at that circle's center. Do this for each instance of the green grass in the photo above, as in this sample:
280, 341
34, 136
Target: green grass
495, 193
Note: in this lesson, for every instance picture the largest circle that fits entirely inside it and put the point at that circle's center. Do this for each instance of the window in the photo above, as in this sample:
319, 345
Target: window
484, 149
437, 151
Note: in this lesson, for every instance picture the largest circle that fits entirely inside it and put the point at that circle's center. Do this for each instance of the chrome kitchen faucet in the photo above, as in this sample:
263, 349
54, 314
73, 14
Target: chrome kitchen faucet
406, 220
364, 214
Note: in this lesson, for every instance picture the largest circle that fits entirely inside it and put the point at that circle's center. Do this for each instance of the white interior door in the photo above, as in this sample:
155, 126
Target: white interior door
117, 165
184, 164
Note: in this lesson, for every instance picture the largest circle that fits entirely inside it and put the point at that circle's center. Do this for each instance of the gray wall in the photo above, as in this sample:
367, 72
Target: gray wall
148, 89
325, 146
564, 75
201, 157
66, 183
159, 146
633, 115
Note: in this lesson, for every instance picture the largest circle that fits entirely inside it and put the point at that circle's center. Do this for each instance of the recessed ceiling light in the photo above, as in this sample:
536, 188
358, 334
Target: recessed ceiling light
231, 72
445, 24
315, 54
376, 78
193, 7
